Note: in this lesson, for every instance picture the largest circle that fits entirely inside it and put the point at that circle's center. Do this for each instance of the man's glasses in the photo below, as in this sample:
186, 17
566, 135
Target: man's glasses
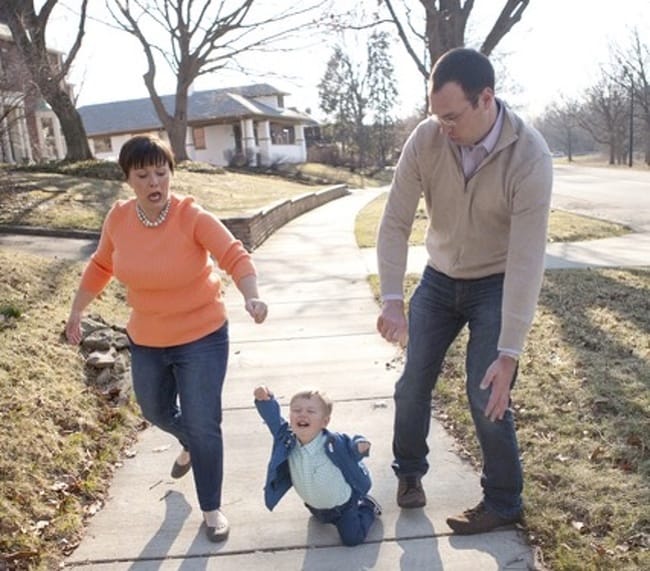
450, 122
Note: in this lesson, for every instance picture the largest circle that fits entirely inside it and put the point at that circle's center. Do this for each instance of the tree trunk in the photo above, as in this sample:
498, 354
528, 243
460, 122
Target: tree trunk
647, 139
76, 141
177, 132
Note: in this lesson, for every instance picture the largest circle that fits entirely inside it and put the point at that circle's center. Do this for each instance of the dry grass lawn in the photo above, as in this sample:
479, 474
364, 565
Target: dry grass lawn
582, 407
61, 201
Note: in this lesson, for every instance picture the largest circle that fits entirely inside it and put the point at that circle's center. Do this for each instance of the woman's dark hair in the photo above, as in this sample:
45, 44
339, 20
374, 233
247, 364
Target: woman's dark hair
469, 68
143, 151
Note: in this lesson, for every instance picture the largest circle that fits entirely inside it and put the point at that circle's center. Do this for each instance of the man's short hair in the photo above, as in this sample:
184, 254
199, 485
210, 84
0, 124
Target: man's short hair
469, 68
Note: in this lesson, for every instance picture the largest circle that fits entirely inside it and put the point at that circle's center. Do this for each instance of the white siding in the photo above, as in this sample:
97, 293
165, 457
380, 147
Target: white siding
287, 154
220, 145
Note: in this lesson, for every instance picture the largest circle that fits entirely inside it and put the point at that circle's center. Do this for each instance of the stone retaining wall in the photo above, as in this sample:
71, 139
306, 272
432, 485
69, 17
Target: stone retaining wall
252, 230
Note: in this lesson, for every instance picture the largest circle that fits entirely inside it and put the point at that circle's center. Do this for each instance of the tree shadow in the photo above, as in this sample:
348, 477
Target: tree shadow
22, 194
603, 318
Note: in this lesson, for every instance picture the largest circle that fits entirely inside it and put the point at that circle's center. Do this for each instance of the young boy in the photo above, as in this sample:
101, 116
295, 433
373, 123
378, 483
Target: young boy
325, 468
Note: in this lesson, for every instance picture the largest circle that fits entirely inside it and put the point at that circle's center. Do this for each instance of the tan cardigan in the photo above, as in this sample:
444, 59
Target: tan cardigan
494, 222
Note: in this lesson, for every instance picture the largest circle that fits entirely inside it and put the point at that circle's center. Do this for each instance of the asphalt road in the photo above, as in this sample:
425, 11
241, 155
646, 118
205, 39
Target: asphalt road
618, 195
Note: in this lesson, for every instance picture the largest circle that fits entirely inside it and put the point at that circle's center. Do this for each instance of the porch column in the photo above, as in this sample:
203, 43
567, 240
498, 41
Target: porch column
23, 137
300, 141
249, 142
264, 137
59, 141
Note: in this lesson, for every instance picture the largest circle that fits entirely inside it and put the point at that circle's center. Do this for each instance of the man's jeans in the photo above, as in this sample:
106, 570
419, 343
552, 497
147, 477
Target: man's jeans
439, 309
191, 375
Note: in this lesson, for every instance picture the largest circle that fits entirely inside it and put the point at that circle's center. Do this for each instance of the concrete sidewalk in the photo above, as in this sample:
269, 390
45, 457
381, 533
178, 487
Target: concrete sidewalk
320, 332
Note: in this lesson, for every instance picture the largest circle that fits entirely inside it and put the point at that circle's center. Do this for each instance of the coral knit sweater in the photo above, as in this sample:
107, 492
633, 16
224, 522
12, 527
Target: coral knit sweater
175, 296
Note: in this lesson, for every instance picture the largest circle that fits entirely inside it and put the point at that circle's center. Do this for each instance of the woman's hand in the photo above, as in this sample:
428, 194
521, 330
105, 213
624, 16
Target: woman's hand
73, 328
256, 309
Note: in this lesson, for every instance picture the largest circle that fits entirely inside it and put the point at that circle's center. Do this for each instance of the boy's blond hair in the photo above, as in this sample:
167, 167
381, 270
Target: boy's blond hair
311, 393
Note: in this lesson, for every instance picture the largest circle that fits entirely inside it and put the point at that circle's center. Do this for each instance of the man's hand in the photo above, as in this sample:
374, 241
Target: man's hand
262, 392
499, 376
391, 323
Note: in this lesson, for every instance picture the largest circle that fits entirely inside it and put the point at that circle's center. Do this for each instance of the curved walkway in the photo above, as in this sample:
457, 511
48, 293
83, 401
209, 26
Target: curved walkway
320, 332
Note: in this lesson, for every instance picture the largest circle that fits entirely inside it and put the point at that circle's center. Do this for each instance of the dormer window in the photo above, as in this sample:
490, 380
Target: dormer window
281, 101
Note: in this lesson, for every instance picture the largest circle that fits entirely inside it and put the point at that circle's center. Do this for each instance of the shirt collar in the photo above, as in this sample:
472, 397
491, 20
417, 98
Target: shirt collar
490, 140
316, 444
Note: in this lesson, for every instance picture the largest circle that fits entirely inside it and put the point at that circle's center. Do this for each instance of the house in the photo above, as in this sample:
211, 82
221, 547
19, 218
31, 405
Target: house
29, 129
247, 125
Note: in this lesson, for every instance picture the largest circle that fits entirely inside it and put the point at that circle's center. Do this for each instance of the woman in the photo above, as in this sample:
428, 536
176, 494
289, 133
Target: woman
159, 245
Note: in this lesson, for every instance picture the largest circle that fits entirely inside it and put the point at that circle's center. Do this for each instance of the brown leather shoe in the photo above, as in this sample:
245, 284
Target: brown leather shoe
478, 520
410, 493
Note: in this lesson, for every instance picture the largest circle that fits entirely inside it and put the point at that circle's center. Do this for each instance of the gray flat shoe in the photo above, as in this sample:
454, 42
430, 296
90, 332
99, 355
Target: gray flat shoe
220, 531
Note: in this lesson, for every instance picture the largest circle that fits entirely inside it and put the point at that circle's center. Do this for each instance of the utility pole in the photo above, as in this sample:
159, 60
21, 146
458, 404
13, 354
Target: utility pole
627, 72
631, 120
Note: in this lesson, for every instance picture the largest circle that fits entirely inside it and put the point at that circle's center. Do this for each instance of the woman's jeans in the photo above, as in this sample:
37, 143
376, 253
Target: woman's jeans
190, 375
439, 309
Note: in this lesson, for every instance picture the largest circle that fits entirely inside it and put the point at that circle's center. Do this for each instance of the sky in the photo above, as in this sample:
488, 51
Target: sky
555, 51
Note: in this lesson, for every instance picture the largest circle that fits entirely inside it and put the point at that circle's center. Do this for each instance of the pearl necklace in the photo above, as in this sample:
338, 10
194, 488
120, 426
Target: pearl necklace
158, 221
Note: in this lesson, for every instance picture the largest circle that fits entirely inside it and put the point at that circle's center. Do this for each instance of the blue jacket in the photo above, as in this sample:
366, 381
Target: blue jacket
341, 449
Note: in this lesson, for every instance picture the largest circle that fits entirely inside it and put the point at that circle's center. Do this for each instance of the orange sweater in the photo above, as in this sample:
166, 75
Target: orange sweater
174, 295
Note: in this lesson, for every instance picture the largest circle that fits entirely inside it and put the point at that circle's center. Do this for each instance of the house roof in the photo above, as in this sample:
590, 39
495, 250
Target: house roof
215, 105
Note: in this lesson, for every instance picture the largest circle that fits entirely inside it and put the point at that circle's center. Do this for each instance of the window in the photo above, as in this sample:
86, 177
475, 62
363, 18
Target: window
198, 136
282, 134
102, 144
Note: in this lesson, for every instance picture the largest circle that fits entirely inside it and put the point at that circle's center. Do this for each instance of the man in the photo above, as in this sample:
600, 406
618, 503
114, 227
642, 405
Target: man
486, 178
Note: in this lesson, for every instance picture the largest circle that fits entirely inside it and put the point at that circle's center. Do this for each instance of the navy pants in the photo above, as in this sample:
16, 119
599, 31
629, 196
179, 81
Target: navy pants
353, 519
179, 390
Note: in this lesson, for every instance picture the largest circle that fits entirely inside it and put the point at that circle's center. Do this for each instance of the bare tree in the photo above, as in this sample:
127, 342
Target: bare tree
603, 116
28, 29
195, 38
351, 89
445, 24
635, 60
559, 126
